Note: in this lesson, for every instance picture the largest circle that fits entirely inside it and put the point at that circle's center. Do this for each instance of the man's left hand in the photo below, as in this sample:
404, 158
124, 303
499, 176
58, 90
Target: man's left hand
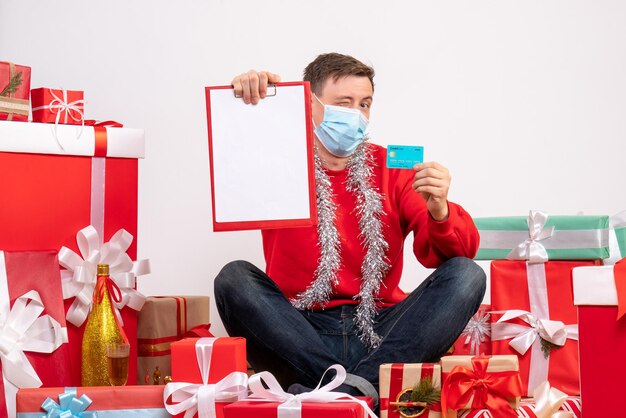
432, 181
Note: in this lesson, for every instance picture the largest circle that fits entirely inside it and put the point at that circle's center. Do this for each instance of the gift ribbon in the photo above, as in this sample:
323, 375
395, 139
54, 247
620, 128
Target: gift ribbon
617, 238
200, 398
548, 401
80, 277
619, 272
537, 324
531, 249
69, 406
476, 331
291, 405
100, 134
489, 389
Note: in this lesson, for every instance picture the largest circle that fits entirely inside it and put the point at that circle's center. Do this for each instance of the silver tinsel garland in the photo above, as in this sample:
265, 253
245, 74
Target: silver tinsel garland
369, 209
325, 276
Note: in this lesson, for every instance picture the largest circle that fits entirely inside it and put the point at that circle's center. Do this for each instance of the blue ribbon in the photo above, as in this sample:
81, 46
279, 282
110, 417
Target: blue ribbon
69, 406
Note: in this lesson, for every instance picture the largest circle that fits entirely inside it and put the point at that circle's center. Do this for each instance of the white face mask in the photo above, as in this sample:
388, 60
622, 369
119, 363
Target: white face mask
342, 130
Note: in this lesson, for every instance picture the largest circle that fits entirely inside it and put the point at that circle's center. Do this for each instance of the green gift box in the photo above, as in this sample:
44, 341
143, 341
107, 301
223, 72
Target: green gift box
539, 237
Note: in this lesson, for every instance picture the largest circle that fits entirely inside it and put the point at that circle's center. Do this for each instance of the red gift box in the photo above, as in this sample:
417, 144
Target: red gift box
117, 401
395, 378
49, 195
14, 92
57, 106
540, 294
475, 340
216, 362
602, 338
480, 382
247, 409
20, 273
229, 355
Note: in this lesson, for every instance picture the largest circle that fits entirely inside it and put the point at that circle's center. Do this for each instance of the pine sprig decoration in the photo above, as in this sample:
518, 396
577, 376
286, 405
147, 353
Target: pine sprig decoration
547, 347
14, 83
412, 403
424, 391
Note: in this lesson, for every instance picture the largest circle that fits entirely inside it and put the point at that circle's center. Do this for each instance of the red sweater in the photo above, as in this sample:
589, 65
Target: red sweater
292, 254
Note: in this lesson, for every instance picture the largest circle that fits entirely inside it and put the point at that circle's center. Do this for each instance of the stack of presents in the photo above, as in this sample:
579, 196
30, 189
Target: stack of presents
548, 343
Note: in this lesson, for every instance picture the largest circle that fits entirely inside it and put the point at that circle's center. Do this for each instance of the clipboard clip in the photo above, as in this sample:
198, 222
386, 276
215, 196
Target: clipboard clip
271, 91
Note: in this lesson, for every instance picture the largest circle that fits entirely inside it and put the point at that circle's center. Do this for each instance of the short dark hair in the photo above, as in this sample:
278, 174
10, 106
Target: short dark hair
336, 66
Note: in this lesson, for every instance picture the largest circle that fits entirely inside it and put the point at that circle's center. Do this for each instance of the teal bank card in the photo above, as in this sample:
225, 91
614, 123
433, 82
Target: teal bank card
404, 156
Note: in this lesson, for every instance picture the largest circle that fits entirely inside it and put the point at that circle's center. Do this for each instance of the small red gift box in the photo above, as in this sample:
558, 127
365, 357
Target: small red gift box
228, 355
21, 273
117, 401
57, 106
475, 340
50, 193
247, 409
14, 92
198, 363
539, 294
602, 337
396, 378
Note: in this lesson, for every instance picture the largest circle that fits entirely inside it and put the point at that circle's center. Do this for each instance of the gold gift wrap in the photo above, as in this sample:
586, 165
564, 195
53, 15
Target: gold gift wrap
499, 363
162, 321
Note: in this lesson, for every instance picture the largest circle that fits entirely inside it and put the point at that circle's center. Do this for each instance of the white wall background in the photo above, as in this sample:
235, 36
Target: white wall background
524, 101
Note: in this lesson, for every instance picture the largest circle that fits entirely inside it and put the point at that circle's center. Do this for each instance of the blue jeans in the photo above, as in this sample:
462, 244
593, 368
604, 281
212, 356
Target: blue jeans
298, 346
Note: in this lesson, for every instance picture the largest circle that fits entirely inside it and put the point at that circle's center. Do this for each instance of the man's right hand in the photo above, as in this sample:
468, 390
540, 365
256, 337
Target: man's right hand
252, 86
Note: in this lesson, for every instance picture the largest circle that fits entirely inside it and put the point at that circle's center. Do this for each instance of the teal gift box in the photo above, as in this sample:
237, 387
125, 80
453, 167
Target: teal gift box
541, 237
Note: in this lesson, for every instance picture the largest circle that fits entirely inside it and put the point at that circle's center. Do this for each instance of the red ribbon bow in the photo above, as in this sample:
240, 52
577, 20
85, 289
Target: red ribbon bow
490, 389
114, 290
619, 271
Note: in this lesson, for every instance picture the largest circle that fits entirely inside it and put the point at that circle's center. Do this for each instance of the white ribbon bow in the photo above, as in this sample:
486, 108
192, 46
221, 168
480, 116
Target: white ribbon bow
523, 336
548, 401
531, 249
291, 405
201, 398
476, 332
79, 280
23, 329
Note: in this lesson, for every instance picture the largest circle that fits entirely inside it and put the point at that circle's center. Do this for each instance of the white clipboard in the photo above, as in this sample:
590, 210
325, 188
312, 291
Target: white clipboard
261, 158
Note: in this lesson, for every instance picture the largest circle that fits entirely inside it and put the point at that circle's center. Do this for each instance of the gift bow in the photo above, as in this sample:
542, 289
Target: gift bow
523, 336
201, 398
489, 389
79, 280
476, 332
23, 328
291, 405
548, 401
531, 249
69, 406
